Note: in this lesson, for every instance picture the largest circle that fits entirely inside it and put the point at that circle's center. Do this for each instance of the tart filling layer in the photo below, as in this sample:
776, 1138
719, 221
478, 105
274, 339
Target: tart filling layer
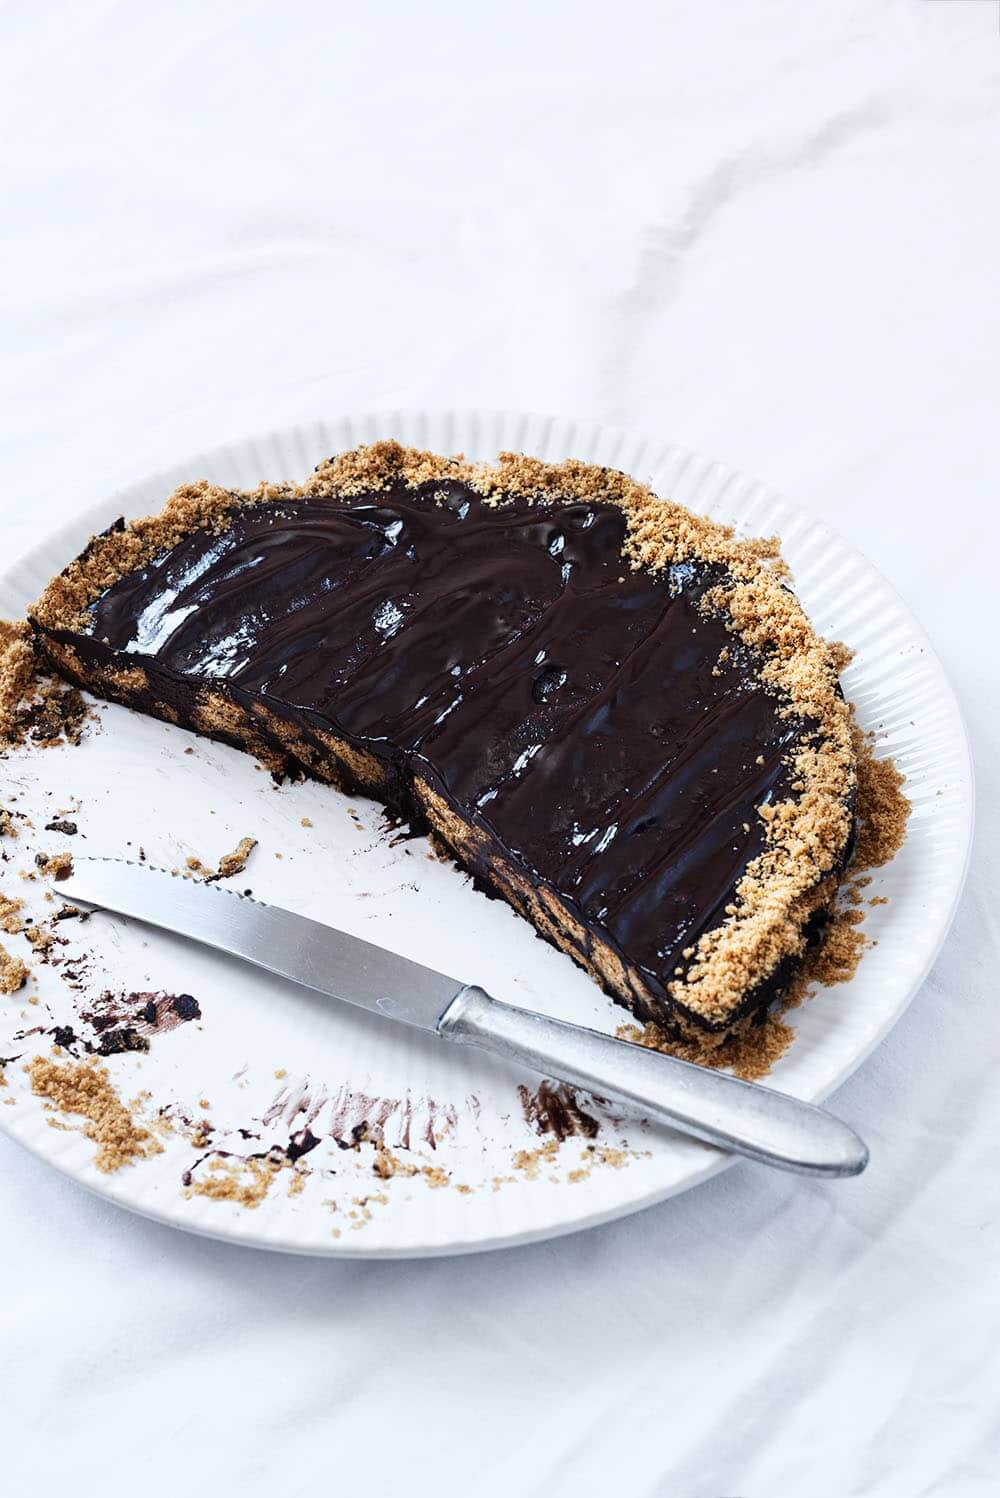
614, 714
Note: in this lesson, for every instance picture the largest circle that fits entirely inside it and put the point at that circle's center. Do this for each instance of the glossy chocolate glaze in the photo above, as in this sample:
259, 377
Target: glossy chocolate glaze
575, 710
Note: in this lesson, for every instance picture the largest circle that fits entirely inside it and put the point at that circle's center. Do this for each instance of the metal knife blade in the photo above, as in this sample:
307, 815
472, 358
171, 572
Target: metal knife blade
712, 1106
319, 957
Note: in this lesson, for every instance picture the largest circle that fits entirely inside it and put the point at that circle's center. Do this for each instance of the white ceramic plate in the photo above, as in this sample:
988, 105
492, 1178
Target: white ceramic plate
270, 1060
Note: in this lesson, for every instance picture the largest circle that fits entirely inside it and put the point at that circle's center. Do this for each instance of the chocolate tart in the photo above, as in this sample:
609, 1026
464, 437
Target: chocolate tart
612, 712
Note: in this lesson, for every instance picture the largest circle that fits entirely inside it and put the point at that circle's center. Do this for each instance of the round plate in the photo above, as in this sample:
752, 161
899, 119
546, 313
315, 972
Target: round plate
263, 1063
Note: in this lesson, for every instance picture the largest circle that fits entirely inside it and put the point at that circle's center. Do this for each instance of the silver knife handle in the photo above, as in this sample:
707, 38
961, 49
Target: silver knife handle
713, 1106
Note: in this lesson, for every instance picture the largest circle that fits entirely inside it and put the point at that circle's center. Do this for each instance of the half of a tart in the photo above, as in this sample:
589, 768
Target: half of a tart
613, 713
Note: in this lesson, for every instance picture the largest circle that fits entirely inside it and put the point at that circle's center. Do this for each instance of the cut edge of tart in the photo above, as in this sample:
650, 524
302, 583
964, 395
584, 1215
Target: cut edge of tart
738, 967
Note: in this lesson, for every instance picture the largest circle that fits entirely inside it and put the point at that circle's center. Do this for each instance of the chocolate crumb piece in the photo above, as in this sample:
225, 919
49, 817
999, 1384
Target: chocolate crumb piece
62, 825
149, 1012
13, 972
55, 865
236, 861
301, 1143
84, 1088
119, 1042
187, 1006
70, 913
39, 938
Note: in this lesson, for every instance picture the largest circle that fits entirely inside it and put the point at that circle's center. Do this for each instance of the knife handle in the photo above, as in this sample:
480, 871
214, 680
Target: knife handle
711, 1105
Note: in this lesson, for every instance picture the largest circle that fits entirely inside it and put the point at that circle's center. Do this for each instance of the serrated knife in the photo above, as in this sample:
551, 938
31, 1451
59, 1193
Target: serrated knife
712, 1106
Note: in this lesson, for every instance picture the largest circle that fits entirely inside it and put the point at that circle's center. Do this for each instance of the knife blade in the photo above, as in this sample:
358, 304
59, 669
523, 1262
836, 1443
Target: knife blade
712, 1106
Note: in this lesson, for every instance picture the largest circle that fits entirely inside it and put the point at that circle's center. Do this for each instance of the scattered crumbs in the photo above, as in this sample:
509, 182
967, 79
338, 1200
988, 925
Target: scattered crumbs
84, 1088
55, 865
197, 867
204, 1103
8, 827
434, 1176
531, 1161
605, 1154
463, 1189
297, 1184
306, 822
189, 750
236, 861
279, 855
281, 1074
361, 1213
13, 972
245, 1182
879, 900
9, 918
388, 1165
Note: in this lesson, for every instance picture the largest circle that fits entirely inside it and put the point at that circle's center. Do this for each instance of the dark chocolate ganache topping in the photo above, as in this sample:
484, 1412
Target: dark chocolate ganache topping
607, 734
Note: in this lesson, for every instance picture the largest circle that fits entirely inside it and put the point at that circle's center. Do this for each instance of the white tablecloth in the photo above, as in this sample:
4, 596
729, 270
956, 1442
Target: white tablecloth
768, 230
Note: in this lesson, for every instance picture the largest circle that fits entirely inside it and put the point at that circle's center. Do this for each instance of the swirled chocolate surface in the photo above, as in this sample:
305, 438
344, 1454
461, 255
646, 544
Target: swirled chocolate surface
606, 733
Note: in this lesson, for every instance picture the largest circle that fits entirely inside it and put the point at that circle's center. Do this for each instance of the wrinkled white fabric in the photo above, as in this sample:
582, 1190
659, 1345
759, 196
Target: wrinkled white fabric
768, 231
